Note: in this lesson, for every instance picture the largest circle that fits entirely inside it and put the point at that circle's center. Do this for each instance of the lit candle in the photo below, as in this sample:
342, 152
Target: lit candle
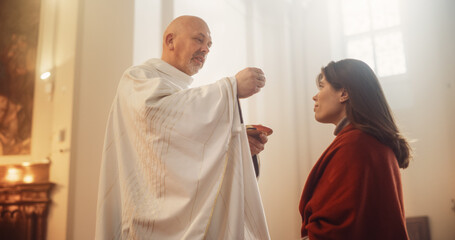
13, 175
28, 178
26, 164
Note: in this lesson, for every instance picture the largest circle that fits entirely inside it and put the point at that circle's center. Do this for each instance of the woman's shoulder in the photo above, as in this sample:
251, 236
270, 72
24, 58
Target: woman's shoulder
353, 137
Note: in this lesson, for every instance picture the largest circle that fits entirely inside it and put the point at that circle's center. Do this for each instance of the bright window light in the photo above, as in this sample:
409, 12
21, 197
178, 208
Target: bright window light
361, 48
355, 16
384, 13
389, 54
372, 34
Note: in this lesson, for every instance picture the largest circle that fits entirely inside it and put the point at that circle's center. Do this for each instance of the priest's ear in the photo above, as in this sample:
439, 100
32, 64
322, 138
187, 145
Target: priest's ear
344, 96
169, 41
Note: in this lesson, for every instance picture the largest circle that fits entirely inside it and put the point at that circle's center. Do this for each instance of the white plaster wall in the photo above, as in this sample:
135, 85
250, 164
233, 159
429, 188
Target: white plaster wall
429, 182
53, 110
104, 51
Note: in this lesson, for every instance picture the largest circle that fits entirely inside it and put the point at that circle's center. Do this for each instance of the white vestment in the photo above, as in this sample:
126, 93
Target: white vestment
176, 161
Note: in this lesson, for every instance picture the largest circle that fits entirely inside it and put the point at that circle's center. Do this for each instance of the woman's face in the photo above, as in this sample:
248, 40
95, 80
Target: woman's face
329, 104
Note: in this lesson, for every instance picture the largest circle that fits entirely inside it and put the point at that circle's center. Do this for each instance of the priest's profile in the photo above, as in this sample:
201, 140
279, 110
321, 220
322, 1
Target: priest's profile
177, 161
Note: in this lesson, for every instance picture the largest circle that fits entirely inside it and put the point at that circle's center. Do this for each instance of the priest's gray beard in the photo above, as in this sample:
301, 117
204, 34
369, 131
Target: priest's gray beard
194, 67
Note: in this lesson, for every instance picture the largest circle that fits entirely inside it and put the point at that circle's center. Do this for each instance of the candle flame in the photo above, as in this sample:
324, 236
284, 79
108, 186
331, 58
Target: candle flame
13, 175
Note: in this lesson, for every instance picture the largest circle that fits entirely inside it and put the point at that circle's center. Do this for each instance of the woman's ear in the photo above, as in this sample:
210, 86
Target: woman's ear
344, 96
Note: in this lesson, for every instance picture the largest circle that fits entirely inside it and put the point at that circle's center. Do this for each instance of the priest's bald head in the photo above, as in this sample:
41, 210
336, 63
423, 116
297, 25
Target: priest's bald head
186, 43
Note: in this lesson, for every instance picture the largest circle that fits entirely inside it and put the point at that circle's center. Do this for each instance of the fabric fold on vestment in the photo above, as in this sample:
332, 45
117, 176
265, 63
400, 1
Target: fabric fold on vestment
176, 161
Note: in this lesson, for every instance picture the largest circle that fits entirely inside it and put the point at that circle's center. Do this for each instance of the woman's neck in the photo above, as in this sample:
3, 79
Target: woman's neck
340, 125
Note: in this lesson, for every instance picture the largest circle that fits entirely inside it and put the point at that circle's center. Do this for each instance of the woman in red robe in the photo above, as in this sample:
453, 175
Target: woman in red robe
354, 189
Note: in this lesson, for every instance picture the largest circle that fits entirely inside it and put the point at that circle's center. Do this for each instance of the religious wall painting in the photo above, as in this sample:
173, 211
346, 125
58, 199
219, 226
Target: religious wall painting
19, 25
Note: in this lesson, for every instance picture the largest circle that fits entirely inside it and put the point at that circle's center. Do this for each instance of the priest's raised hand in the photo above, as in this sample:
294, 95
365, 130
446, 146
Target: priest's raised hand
249, 82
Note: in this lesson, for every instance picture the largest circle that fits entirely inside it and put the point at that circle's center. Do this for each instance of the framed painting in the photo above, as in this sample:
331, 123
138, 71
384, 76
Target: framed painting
19, 27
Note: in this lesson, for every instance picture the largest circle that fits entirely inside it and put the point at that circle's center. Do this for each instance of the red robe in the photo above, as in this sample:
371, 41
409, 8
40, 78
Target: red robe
354, 191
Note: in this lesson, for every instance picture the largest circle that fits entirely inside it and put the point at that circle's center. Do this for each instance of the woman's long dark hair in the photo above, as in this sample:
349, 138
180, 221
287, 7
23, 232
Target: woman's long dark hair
367, 109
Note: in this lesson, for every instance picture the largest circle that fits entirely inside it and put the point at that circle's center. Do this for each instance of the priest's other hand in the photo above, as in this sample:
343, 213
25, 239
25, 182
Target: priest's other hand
257, 140
249, 81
